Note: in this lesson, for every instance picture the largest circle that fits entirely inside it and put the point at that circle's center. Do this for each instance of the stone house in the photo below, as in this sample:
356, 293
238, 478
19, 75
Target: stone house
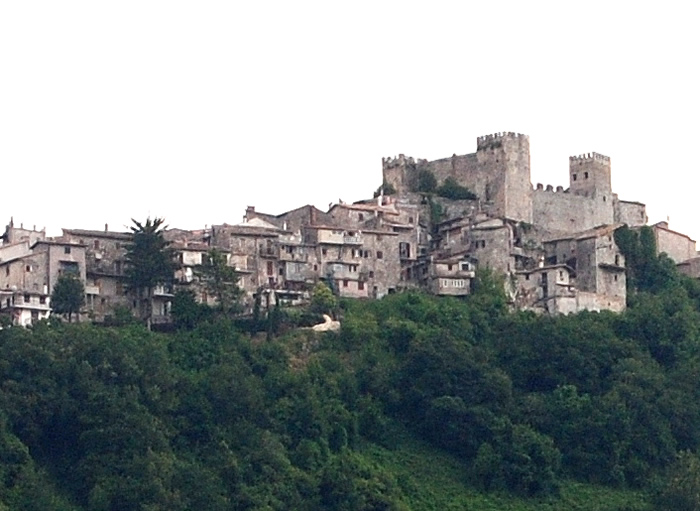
105, 280
450, 276
29, 270
679, 247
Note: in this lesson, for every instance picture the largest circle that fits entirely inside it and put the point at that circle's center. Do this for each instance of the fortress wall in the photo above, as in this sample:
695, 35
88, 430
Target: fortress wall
464, 169
677, 246
559, 211
634, 214
597, 302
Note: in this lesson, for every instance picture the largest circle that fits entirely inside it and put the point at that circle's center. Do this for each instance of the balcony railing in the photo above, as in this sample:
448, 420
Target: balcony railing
352, 240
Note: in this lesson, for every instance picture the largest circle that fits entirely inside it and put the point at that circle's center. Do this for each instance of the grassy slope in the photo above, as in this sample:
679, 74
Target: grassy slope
434, 480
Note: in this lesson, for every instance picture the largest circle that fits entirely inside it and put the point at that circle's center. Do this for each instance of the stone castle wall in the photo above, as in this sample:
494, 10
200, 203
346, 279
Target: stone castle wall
498, 173
557, 211
634, 214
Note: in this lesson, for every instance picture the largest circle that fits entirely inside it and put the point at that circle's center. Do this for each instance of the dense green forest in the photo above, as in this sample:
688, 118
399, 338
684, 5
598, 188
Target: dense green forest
417, 403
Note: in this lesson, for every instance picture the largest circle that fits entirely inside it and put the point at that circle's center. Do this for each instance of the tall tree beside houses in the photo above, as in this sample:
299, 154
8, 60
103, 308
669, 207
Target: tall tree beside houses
150, 263
220, 280
68, 296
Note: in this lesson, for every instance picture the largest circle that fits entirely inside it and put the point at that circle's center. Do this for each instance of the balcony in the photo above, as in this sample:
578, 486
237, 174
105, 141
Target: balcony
294, 256
92, 290
352, 240
270, 251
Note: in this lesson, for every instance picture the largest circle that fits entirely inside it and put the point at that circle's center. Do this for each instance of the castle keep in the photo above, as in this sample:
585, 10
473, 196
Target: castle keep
554, 246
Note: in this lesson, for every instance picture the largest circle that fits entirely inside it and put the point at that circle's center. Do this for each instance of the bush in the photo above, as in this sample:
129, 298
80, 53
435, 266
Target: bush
451, 189
425, 182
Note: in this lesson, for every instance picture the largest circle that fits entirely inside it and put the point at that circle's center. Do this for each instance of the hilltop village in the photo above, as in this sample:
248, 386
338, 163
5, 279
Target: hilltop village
555, 246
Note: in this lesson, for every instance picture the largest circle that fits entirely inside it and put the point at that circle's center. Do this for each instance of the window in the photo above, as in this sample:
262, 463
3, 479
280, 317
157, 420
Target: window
380, 254
574, 176
66, 250
324, 251
585, 175
617, 260
360, 286
68, 267
465, 266
315, 267
345, 283
527, 276
42, 300
371, 274
96, 244
410, 219
280, 271
27, 298
361, 216
449, 267
27, 268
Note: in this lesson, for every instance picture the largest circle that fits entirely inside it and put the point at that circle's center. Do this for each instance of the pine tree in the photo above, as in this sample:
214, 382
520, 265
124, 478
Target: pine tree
150, 261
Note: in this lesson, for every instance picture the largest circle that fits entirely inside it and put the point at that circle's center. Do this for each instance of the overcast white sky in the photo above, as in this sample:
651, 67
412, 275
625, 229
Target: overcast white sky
194, 110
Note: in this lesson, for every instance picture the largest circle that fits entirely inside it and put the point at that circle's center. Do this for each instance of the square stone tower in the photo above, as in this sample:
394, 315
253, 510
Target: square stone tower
504, 160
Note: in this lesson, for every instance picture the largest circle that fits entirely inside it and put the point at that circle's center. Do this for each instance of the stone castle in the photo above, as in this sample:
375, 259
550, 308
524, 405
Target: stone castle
499, 174
555, 247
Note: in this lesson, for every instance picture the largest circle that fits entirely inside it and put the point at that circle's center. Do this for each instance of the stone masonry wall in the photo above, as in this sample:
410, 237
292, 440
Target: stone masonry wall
563, 212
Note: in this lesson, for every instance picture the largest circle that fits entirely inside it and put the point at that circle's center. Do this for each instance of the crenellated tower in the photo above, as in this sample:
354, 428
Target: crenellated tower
504, 162
399, 173
589, 175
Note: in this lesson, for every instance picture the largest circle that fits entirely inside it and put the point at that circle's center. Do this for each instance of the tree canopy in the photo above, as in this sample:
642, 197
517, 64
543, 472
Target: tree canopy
220, 280
150, 260
68, 295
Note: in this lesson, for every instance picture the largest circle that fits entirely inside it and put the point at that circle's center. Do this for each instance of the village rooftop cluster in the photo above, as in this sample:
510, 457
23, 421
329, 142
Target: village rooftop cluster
554, 246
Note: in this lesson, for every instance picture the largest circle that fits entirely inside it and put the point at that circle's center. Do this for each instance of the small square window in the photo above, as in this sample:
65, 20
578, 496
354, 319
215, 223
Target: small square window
380, 254
66, 250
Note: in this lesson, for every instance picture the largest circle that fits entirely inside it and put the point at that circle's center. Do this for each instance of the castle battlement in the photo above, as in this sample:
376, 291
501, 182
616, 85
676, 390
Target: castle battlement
559, 189
397, 161
487, 141
590, 157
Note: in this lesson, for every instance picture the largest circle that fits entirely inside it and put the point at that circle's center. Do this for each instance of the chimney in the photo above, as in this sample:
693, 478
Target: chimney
106, 227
